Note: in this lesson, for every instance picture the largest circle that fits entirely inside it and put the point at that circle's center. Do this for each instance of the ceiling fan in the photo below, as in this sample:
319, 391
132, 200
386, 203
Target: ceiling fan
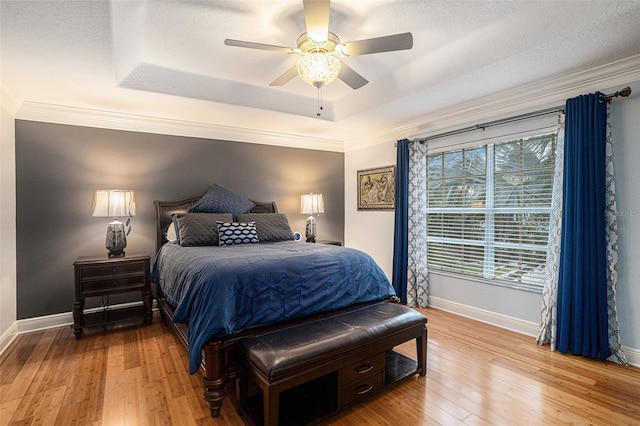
319, 51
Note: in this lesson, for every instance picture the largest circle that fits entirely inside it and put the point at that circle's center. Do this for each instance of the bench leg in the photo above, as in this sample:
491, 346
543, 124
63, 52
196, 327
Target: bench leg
421, 346
271, 404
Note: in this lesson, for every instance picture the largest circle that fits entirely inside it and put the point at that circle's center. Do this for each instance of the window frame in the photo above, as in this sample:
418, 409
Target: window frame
490, 212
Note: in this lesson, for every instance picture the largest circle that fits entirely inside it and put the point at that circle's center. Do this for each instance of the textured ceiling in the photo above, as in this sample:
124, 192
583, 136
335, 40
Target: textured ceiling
166, 59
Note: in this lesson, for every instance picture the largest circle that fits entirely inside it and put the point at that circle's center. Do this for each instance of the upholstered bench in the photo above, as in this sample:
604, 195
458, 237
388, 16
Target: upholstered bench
354, 347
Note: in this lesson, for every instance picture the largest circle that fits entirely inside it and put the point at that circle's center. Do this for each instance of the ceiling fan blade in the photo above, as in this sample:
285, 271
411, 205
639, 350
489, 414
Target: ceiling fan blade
389, 43
286, 77
252, 45
316, 17
352, 78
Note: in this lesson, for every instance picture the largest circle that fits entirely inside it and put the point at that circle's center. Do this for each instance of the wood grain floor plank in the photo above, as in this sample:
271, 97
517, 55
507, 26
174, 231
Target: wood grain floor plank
477, 375
113, 406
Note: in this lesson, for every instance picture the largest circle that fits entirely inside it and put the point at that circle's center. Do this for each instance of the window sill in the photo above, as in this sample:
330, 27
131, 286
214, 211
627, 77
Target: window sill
521, 287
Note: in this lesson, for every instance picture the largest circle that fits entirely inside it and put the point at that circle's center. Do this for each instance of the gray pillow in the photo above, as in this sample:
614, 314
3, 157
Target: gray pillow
237, 233
221, 200
270, 226
199, 229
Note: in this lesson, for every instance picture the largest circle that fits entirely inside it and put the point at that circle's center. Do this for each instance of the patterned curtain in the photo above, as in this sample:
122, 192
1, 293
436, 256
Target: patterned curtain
547, 332
548, 315
615, 343
417, 273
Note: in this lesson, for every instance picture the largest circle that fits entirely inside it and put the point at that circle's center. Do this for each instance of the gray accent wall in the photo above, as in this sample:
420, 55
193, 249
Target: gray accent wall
59, 167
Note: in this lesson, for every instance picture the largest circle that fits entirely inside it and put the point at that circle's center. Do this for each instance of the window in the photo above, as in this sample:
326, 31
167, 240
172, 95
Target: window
488, 209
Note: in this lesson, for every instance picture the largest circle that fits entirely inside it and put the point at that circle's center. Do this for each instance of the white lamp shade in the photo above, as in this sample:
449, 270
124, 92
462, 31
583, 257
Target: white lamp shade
311, 204
114, 203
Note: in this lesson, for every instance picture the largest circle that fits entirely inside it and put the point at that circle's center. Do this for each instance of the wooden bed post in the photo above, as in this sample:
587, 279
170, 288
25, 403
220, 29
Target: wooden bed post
215, 376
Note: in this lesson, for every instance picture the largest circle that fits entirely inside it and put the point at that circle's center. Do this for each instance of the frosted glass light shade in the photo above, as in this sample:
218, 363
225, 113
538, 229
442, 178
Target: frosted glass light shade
114, 203
318, 68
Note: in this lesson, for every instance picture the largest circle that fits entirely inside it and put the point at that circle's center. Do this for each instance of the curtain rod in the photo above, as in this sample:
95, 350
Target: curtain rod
482, 126
624, 93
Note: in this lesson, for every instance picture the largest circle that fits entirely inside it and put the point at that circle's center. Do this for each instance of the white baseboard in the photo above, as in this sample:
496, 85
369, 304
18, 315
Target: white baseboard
510, 323
29, 325
632, 354
60, 320
503, 321
8, 336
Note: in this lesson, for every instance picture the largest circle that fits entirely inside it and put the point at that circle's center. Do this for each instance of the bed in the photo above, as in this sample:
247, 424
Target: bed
213, 297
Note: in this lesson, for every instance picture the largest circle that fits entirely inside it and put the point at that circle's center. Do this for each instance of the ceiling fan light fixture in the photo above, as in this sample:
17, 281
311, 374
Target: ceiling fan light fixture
318, 68
341, 50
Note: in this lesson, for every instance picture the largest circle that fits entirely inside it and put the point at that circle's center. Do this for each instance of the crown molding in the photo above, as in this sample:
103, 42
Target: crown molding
9, 101
75, 116
541, 94
537, 95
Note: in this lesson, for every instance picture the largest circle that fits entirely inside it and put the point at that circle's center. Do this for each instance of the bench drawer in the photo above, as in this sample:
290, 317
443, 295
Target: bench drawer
362, 369
361, 388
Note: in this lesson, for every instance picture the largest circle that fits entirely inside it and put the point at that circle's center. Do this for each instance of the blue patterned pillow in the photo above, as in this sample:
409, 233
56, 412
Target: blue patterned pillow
221, 200
230, 233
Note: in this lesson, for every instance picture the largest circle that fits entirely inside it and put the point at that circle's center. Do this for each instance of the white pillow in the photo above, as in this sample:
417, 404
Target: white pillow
172, 237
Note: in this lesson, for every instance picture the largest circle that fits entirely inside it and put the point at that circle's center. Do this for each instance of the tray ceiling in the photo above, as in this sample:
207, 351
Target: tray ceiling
166, 59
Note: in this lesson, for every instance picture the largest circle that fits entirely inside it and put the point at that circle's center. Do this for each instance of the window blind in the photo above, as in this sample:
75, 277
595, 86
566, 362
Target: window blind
488, 209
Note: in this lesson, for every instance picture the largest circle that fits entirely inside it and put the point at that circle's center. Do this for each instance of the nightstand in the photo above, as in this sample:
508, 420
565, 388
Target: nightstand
332, 243
97, 276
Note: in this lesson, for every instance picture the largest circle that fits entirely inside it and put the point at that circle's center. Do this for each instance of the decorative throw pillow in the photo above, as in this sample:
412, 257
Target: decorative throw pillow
237, 233
270, 226
199, 229
221, 200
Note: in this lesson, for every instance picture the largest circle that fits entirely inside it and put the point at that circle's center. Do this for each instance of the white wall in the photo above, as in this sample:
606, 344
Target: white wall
8, 315
373, 233
625, 128
369, 230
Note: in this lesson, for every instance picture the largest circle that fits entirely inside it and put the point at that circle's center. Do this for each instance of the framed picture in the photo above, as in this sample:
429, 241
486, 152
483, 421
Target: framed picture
376, 188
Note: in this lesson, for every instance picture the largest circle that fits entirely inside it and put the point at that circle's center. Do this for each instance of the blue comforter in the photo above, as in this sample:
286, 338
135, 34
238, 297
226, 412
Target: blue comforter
219, 291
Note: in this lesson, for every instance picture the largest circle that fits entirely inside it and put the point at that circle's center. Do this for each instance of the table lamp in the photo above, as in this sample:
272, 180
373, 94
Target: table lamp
311, 204
115, 203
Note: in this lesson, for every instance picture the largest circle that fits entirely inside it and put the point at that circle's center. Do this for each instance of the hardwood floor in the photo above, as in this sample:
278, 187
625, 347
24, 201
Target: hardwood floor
477, 374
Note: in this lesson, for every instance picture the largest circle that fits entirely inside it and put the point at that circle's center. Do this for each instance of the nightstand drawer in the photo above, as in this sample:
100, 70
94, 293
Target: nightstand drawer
362, 369
121, 268
114, 284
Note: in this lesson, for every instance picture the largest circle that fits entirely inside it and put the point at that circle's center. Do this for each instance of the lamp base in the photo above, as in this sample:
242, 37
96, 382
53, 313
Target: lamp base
116, 239
310, 229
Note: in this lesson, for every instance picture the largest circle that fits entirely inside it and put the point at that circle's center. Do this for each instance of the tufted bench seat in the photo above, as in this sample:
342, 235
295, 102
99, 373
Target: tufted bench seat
357, 345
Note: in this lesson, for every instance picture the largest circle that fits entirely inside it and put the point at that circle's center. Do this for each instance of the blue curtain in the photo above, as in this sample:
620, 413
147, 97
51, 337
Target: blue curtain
400, 235
582, 326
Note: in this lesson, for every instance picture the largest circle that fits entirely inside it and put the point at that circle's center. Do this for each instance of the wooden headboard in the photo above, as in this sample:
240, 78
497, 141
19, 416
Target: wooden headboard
164, 210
